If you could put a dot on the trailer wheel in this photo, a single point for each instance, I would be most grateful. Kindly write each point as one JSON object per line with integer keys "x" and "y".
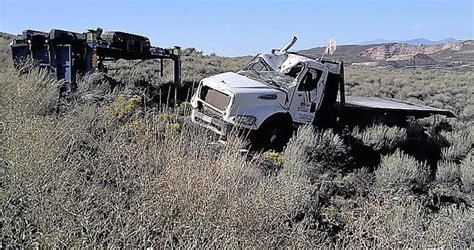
{"x": 274, "y": 134}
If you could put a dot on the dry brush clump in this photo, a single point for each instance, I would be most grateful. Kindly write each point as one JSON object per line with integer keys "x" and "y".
{"x": 448, "y": 172}
{"x": 460, "y": 144}
{"x": 383, "y": 220}
{"x": 387, "y": 208}
{"x": 467, "y": 172}
{"x": 381, "y": 137}
{"x": 399, "y": 171}
{"x": 316, "y": 152}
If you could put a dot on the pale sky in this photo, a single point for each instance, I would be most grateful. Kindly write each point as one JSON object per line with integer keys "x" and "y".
{"x": 231, "y": 27}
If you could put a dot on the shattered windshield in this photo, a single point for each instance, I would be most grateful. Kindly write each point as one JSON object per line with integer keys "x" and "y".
{"x": 259, "y": 70}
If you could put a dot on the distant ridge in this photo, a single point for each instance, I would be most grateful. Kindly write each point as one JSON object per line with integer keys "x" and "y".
{"x": 458, "y": 52}
{"x": 6, "y": 35}
{"x": 416, "y": 41}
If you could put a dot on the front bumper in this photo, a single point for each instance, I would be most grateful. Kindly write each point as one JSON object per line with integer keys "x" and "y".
{"x": 217, "y": 125}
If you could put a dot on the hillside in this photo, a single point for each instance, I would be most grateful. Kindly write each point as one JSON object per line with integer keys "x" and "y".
{"x": 443, "y": 53}
{"x": 415, "y": 41}
{"x": 5, "y": 40}
{"x": 6, "y": 36}
{"x": 400, "y": 51}
{"x": 348, "y": 53}
{"x": 464, "y": 52}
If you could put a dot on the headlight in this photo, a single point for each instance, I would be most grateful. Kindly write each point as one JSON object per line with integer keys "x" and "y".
{"x": 245, "y": 120}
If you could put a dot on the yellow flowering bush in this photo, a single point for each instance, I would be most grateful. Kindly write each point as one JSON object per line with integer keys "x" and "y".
{"x": 173, "y": 127}
{"x": 184, "y": 109}
{"x": 275, "y": 157}
{"x": 123, "y": 106}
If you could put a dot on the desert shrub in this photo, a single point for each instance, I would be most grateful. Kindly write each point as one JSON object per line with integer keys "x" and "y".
{"x": 82, "y": 179}
{"x": 400, "y": 222}
{"x": 134, "y": 72}
{"x": 111, "y": 192}
{"x": 95, "y": 87}
{"x": 123, "y": 107}
{"x": 460, "y": 144}
{"x": 385, "y": 224}
{"x": 381, "y": 137}
{"x": 451, "y": 228}
{"x": 274, "y": 157}
{"x": 173, "y": 127}
{"x": 38, "y": 92}
{"x": 167, "y": 117}
{"x": 468, "y": 112}
{"x": 314, "y": 152}
{"x": 400, "y": 171}
{"x": 448, "y": 172}
{"x": 467, "y": 173}
{"x": 184, "y": 109}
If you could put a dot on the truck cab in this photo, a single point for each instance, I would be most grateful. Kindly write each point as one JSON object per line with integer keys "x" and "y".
{"x": 266, "y": 97}
{"x": 277, "y": 91}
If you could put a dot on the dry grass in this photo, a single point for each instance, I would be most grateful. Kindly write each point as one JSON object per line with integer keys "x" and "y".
{"x": 116, "y": 173}
{"x": 85, "y": 179}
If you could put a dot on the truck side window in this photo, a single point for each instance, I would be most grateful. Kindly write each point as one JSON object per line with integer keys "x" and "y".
{"x": 310, "y": 80}
{"x": 295, "y": 71}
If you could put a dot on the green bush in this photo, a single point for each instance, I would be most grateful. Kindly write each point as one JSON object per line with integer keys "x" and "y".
{"x": 400, "y": 222}
{"x": 467, "y": 173}
{"x": 460, "y": 145}
{"x": 399, "y": 171}
{"x": 123, "y": 107}
{"x": 381, "y": 137}
{"x": 315, "y": 152}
{"x": 448, "y": 172}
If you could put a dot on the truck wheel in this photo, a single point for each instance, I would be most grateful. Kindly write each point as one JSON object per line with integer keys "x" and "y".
{"x": 274, "y": 135}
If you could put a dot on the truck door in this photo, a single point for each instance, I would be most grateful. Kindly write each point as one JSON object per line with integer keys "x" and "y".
{"x": 308, "y": 95}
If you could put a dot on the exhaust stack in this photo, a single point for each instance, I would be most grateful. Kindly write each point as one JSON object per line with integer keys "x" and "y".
{"x": 289, "y": 45}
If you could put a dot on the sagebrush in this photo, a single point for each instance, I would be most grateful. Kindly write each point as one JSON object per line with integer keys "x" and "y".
{"x": 78, "y": 172}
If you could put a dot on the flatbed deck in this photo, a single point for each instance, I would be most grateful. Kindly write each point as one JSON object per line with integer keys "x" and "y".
{"x": 381, "y": 104}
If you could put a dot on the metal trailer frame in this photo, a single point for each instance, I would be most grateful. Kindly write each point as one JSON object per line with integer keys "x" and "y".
{"x": 69, "y": 53}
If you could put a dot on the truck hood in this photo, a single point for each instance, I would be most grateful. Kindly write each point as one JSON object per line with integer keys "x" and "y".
{"x": 234, "y": 81}
{"x": 246, "y": 93}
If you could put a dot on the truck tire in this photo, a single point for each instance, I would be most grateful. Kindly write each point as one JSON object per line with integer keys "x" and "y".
{"x": 274, "y": 134}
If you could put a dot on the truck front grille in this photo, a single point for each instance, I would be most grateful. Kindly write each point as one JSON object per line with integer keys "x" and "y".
{"x": 211, "y": 112}
{"x": 215, "y": 98}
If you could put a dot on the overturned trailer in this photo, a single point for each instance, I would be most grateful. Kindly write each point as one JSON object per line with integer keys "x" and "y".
{"x": 276, "y": 92}
{"x": 69, "y": 54}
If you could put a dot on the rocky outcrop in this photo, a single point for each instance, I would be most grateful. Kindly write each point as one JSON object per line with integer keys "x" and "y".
{"x": 414, "y": 61}
{"x": 403, "y": 51}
